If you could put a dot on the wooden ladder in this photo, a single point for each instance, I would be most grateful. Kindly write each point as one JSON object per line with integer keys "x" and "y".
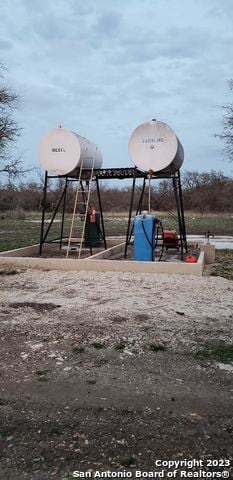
{"x": 77, "y": 203}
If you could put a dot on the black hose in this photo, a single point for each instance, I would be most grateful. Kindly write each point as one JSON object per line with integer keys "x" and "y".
{"x": 150, "y": 243}
{"x": 161, "y": 253}
{"x": 157, "y": 236}
{"x": 153, "y": 247}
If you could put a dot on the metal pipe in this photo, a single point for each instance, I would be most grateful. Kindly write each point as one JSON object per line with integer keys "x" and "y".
{"x": 139, "y": 207}
{"x": 150, "y": 172}
{"x": 130, "y": 214}
{"x": 139, "y": 210}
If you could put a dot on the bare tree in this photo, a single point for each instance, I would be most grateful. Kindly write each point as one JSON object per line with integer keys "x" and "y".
{"x": 9, "y": 130}
{"x": 227, "y": 135}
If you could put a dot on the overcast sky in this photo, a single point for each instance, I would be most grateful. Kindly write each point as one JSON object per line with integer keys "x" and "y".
{"x": 102, "y": 67}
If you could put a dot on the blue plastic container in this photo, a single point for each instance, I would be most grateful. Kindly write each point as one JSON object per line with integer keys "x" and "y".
{"x": 144, "y": 238}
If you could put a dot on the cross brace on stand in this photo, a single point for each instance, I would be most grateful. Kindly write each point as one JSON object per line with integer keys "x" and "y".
{"x": 61, "y": 204}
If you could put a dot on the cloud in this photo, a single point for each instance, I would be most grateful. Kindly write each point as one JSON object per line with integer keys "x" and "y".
{"x": 104, "y": 67}
{"x": 5, "y": 44}
{"x": 108, "y": 23}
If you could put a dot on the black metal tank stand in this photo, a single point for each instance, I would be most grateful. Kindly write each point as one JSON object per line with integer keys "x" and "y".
{"x": 180, "y": 213}
{"x": 44, "y": 234}
{"x": 179, "y": 206}
{"x": 117, "y": 173}
{"x": 62, "y": 201}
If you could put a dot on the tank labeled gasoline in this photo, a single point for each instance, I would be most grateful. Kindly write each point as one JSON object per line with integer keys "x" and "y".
{"x": 154, "y": 146}
{"x": 63, "y": 152}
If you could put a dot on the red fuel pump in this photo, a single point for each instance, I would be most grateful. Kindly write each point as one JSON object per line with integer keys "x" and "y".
{"x": 170, "y": 239}
{"x": 92, "y": 215}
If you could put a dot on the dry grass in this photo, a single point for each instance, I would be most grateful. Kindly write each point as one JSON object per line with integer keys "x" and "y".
{"x": 223, "y": 266}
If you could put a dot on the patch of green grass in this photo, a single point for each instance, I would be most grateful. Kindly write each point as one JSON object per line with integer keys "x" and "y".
{"x": 98, "y": 344}
{"x": 7, "y": 431}
{"x": 91, "y": 381}
{"x": 38, "y": 307}
{"x": 156, "y": 347}
{"x": 9, "y": 272}
{"x": 120, "y": 346}
{"x": 128, "y": 461}
{"x": 42, "y": 375}
{"x": 78, "y": 349}
{"x": 23, "y": 231}
{"x": 55, "y": 431}
{"x": 218, "y": 352}
{"x": 43, "y": 379}
{"x": 196, "y": 223}
{"x": 41, "y": 372}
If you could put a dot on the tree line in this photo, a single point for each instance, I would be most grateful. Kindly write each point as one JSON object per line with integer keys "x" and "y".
{"x": 202, "y": 192}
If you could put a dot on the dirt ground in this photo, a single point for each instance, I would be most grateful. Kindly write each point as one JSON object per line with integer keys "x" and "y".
{"x": 113, "y": 371}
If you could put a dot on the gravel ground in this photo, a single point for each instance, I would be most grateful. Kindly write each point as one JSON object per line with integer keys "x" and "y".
{"x": 103, "y": 371}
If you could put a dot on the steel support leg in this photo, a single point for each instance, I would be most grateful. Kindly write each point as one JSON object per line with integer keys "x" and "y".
{"x": 63, "y": 211}
{"x": 101, "y": 212}
{"x": 182, "y": 211}
{"x": 179, "y": 215}
{"x": 43, "y": 213}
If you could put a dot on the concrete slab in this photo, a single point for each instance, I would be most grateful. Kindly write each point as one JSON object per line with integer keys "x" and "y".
{"x": 220, "y": 241}
{"x": 104, "y": 266}
{"x": 209, "y": 251}
{"x": 21, "y": 252}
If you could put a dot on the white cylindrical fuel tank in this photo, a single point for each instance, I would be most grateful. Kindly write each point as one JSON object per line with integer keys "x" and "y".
{"x": 154, "y": 146}
{"x": 62, "y": 152}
